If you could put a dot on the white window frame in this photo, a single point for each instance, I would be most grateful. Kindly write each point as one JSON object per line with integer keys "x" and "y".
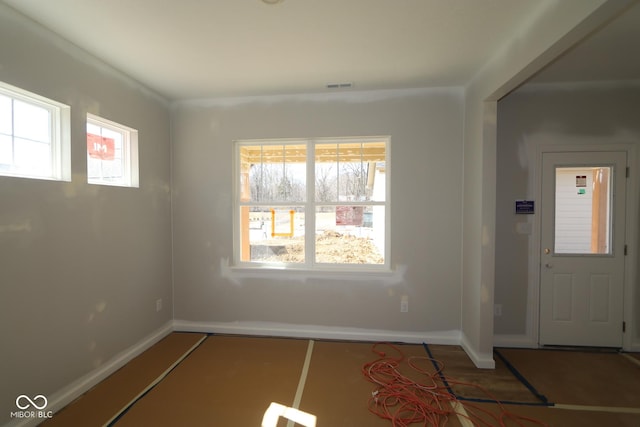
{"x": 130, "y": 165}
{"x": 59, "y": 134}
{"x": 310, "y": 207}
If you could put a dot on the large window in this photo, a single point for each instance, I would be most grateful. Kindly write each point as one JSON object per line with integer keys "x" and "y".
{"x": 312, "y": 203}
{"x": 34, "y": 135}
{"x": 112, "y": 153}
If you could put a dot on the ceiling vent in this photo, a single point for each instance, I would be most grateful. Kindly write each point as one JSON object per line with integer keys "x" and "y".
{"x": 339, "y": 85}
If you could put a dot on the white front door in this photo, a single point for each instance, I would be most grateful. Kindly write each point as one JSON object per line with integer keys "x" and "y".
{"x": 583, "y": 248}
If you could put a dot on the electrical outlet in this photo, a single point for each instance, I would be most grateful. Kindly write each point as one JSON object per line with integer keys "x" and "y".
{"x": 497, "y": 310}
{"x": 159, "y": 304}
{"x": 404, "y": 304}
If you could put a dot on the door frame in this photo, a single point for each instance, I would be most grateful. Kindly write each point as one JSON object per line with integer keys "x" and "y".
{"x": 535, "y": 153}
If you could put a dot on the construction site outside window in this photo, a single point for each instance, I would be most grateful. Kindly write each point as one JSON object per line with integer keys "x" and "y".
{"x": 312, "y": 203}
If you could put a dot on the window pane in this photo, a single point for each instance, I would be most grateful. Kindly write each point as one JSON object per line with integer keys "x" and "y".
{"x": 112, "y": 170}
{"x": 272, "y": 234}
{"x": 33, "y": 158}
{"x": 34, "y": 135}
{"x": 31, "y": 122}
{"x": 583, "y": 210}
{"x": 6, "y": 152}
{"x": 6, "y": 115}
{"x": 352, "y": 171}
{"x": 108, "y": 153}
{"x": 94, "y": 129}
{"x": 94, "y": 170}
{"x": 350, "y": 234}
{"x": 273, "y": 173}
{"x": 326, "y": 173}
{"x": 105, "y": 156}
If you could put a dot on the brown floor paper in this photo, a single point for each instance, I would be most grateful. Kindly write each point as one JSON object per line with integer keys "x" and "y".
{"x": 337, "y": 392}
{"x": 580, "y": 378}
{"x": 231, "y": 380}
{"x": 556, "y": 417}
{"x": 497, "y": 384}
{"x": 103, "y": 401}
{"x": 227, "y": 381}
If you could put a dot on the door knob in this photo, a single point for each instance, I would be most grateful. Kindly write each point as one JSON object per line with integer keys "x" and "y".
{"x": 547, "y": 251}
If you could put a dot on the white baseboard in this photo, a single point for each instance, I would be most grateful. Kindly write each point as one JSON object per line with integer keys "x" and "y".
{"x": 481, "y": 360}
{"x": 514, "y": 341}
{"x": 525, "y": 341}
{"x": 69, "y": 393}
{"x": 318, "y": 332}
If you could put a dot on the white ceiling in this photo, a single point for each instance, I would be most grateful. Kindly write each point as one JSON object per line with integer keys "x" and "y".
{"x": 201, "y": 49}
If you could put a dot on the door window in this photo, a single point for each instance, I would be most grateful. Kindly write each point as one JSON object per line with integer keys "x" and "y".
{"x": 583, "y": 210}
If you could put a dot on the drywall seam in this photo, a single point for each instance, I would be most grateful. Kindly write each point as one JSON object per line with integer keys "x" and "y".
{"x": 352, "y": 97}
{"x": 238, "y": 275}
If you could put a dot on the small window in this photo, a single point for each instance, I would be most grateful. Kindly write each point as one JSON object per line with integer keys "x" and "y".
{"x": 112, "y": 153}
{"x": 34, "y": 136}
{"x": 312, "y": 204}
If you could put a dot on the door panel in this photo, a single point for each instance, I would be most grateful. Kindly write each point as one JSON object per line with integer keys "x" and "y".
{"x": 582, "y": 238}
{"x": 599, "y": 297}
{"x": 562, "y": 297}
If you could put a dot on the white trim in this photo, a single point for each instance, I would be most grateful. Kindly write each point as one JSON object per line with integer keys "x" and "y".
{"x": 72, "y": 391}
{"x": 481, "y": 360}
{"x": 373, "y": 275}
{"x": 318, "y": 332}
{"x": 631, "y": 308}
{"x": 514, "y": 341}
{"x": 536, "y": 151}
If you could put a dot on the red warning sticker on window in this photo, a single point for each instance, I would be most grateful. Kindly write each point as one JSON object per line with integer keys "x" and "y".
{"x": 100, "y": 147}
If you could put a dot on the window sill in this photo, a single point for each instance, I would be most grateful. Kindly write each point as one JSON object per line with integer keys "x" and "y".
{"x": 382, "y": 274}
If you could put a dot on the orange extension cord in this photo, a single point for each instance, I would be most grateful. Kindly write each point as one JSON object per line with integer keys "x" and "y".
{"x": 429, "y": 402}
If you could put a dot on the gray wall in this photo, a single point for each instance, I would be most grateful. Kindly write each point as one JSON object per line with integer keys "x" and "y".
{"x": 426, "y": 191}
{"x": 81, "y": 266}
{"x": 603, "y": 113}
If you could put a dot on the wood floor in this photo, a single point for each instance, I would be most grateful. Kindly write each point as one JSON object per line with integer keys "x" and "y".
{"x": 191, "y": 379}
